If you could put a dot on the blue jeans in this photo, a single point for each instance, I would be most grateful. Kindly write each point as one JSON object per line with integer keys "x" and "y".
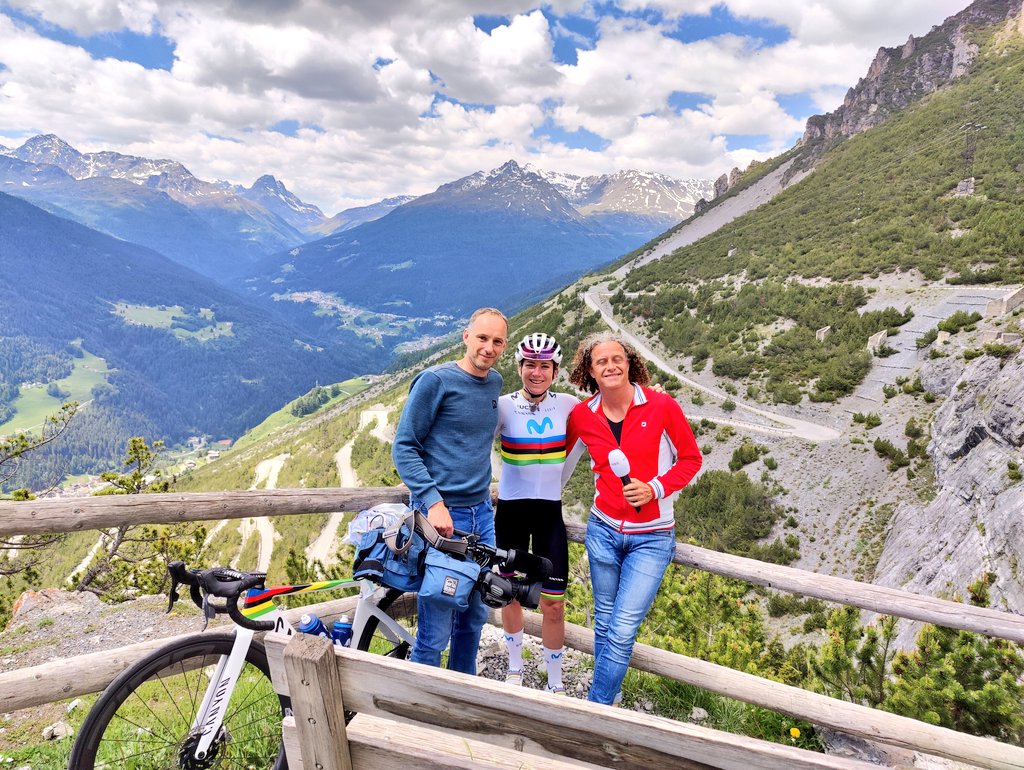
{"x": 625, "y": 572}
{"x": 437, "y": 626}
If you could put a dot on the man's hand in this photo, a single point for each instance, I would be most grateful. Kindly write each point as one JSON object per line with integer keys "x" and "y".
{"x": 638, "y": 493}
{"x": 440, "y": 519}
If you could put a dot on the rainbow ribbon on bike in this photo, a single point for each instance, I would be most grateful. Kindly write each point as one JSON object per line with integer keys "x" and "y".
{"x": 258, "y": 601}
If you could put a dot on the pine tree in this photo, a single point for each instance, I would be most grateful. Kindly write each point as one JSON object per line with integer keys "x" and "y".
{"x": 135, "y": 558}
{"x": 962, "y": 680}
{"x": 853, "y": 662}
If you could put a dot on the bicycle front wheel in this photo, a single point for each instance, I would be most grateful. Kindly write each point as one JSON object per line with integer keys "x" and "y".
{"x": 144, "y": 718}
{"x": 387, "y": 637}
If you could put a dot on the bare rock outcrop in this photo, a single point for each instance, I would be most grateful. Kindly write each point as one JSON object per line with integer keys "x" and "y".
{"x": 975, "y": 523}
{"x": 904, "y": 74}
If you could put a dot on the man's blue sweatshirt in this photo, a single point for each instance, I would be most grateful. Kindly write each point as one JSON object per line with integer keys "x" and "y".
{"x": 442, "y": 448}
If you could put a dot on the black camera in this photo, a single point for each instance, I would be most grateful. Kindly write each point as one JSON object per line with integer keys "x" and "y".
{"x": 498, "y": 591}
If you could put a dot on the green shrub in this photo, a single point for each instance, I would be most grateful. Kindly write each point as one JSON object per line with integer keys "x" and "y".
{"x": 913, "y": 387}
{"x": 959, "y": 320}
{"x": 999, "y": 350}
{"x": 746, "y": 453}
{"x": 927, "y": 338}
{"x": 726, "y": 511}
{"x": 869, "y": 420}
{"x": 790, "y": 604}
{"x": 896, "y": 456}
{"x": 785, "y": 393}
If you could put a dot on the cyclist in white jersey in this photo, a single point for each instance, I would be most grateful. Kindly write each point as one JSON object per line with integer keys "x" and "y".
{"x": 531, "y": 423}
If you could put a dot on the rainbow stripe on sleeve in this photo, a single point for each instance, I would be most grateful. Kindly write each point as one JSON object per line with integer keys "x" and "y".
{"x": 533, "y": 451}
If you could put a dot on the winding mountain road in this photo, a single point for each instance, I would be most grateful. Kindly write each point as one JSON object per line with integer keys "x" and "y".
{"x": 266, "y": 471}
{"x": 930, "y": 304}
{"x": 713, "y": 219}
{"x": 325, "y": 547}
{"x": 595, "y": 299}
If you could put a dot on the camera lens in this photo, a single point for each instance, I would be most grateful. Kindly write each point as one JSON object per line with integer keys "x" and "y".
{"x": 527, "y": 594}
{"x": 495, "y": 590}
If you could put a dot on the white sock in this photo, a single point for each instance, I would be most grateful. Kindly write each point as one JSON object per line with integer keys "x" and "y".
{"x": 553, "y": 663}
{"x": 514, "y": 642}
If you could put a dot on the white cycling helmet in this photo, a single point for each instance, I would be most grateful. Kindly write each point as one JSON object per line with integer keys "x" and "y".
{"x": 538, "y": 347}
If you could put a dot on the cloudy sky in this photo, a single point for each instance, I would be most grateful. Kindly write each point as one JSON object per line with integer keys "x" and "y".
{"x": 350, "y": 101}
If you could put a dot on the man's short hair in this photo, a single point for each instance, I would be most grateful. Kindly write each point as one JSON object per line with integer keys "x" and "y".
{"x": 487, "y": 311}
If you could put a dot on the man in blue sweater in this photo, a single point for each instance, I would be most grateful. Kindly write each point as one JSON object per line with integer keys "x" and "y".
{"x": 442, "y": 452}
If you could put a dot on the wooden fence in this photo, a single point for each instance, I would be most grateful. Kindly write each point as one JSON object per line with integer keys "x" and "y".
{"x": 412, "y": 716}
{"x": 77, "y": 514}
{"x": 90, "y": 673}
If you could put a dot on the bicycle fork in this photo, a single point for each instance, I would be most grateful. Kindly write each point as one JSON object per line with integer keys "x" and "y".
{"x": 210, "y": 717}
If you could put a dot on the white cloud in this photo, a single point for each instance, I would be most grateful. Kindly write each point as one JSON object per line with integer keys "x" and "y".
{"x": 512, "y": 64}
{"x": 90, "y": 17}
{"x": 824, "y": 21}
{"x": 362, "y": 80}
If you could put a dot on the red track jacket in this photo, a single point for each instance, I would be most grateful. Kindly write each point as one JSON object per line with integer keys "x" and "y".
{"x": 657, "y": 440}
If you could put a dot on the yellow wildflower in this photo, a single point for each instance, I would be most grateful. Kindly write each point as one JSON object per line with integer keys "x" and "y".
{"x": 794, "y": 732}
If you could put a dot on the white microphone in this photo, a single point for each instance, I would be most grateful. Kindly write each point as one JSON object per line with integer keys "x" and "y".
{"x": 619, "y": 464}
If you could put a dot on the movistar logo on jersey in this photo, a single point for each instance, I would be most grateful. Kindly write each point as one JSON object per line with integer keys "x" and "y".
{"x": 532, "y": 426}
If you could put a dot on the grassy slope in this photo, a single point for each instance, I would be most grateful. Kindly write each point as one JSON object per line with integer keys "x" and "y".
{"x": 283, "y": 417}
{"x": 34, "y": 404}
{"x": 882, "y": 201}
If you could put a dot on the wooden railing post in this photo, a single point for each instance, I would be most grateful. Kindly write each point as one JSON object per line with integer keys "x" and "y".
{"x": 315, "y": 689}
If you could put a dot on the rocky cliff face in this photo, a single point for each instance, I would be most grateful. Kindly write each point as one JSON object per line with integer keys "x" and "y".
{"x": 976, "y": 521}
{"x": 902, "y": 75}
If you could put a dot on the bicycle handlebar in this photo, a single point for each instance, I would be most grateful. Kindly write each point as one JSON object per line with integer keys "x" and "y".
{"x": 222, "y": 582}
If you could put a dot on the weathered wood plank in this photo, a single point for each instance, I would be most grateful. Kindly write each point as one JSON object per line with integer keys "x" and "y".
{"x": 846, "y": 717}
{"x": 317, "y": 702}
{"x": 72, "y": 677}
{"x": 85, "y": 674}
{"x": 496, "y": 712}
{"x": 384, "y": 744}
{"x": 78, "y": 514}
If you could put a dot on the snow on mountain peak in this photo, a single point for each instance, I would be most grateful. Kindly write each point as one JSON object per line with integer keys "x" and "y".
{"x": 631, "y": 191}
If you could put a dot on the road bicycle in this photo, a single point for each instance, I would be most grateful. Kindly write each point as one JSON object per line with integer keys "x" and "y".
{"x": 206, "y": 701}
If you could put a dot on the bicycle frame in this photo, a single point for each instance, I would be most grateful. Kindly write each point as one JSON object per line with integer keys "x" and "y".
{"x": 259, "y": 604}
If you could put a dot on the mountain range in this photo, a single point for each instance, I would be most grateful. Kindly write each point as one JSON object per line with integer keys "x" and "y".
{"x": 119, "y": 238}
{"x": 179, "y": 353}
{"x": 504, "y": 237}
{"x": 221, "y": 229}
{"x": 74, "y": 291}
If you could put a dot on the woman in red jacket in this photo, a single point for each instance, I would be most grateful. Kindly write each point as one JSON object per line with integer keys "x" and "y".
{"x": 631, "y": 530}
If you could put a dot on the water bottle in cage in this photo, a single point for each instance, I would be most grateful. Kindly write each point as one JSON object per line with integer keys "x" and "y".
{"x": 311, "y": 624}
{"x": 341, "y": 633}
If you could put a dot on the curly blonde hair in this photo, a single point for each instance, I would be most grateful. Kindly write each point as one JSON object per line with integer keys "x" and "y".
{"x": 581, "y": 362}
